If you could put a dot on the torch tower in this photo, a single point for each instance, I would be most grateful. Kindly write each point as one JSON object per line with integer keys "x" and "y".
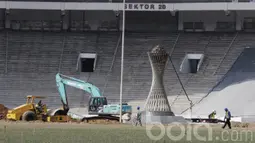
{"x": 157, "y": 108}
{"x": 157, "y": 103}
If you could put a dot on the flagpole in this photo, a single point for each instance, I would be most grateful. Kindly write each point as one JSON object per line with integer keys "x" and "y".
{"x": 122, "y": 58}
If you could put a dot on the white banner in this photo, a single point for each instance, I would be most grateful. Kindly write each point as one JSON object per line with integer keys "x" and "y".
{"x": 129, "y": 6}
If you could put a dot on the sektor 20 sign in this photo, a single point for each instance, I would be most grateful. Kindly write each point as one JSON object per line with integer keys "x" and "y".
{"x": 143, "y": 6}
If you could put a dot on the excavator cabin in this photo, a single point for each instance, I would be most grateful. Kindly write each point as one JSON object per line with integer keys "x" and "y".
{"x": 96, "y": 103}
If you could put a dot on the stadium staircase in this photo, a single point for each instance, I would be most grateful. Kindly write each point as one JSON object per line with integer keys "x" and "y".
{"x": 35, "y": 57}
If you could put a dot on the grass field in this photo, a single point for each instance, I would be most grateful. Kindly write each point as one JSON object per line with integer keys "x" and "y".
{"x": 87, "y": 133}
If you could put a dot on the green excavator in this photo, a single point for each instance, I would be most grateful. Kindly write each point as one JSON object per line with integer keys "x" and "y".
{"x": 98, "y": 108}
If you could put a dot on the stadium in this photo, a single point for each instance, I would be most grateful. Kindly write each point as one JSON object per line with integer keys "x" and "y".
{"x": 210, "y": 43}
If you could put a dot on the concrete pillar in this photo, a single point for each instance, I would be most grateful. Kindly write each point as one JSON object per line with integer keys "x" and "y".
{"x": 7, "y": 19}
{"x": 239, "y": 21}
{"x": 64, "y": 19}
{"x": 180, "y": 21}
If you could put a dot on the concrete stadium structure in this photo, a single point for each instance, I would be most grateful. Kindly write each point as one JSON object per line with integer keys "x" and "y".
{"x": 36, "y": 44}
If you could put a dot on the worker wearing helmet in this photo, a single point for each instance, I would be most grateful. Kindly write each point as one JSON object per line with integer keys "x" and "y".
{"x": 138, "y": 117}
{"x": 212, "y": 115}
{"x": 227, "y": 118}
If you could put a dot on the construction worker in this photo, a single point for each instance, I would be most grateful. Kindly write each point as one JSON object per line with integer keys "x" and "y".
{"x": 212, "y": 115}
{"x": 138, "y": 117}
{"x": 39, "y": 106}
{"x": 227, "y": 118}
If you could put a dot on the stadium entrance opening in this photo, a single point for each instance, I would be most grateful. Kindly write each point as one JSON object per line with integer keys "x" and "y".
{"x": 87, "y": 64}
{"x": 193, "y": 65}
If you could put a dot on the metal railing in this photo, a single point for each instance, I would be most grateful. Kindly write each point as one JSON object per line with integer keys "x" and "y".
{"x": 225, "y": 54}
{"x": 112, "y": 63}
{"x": 6, "y": 51}
{"x": 62, "y": 51}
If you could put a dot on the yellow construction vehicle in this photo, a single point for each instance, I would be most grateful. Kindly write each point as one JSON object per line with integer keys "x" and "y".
{"x": 29, "y": 111}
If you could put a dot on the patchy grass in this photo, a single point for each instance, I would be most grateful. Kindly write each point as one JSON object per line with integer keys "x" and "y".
{"x": 86, "y": 133}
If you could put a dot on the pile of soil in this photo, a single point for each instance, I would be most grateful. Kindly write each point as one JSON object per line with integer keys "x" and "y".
{"x": 3, "y": 111}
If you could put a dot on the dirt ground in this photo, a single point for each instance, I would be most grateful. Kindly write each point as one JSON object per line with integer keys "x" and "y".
{"x": 20, "y": 124}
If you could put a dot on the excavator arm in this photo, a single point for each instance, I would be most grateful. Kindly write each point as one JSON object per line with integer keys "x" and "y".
{"x": 62, "y": 80}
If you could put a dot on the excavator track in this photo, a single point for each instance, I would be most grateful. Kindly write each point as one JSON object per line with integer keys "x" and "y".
{"x": 101, "y": 120}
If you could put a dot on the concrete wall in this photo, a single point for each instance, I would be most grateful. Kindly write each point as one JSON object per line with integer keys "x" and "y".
{"x": 151, "y": 21}
{"x": 2, "y": 12}
{"x": 135, "y": 21}
{"x": 241, "y": 16}
{"x": 34, "y": 15}
{"x": 211, "y": 17}
{"x": 93, "y": 18}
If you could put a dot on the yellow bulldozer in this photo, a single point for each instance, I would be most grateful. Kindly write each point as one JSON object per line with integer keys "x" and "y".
{"x": 31, "y": 112}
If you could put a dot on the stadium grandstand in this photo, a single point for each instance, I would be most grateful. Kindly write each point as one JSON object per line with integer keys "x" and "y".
{"x": 210, "y": 43}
